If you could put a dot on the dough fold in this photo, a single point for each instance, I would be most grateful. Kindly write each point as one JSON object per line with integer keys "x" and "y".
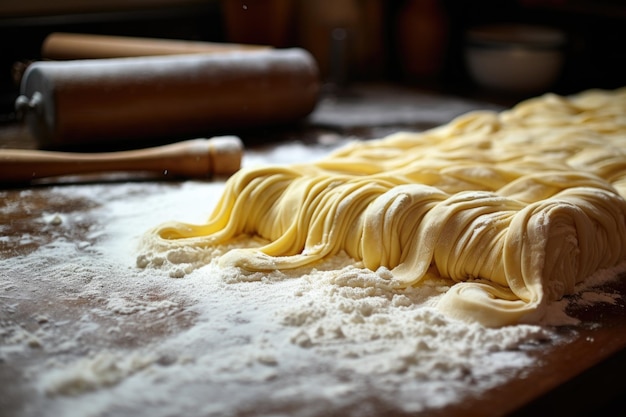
{"x": 514, "y": 208}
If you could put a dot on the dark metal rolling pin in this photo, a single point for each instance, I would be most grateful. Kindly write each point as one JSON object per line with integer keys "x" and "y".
{"x": 124, "y": 99}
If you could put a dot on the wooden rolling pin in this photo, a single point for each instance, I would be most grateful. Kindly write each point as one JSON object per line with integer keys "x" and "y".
{"x": 123, "y": 99}
{"x": 196, "y": 158}
{"x": 61, "y": 46}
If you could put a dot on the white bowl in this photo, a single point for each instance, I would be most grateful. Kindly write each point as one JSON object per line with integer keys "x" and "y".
{"x": 514, "y": 58}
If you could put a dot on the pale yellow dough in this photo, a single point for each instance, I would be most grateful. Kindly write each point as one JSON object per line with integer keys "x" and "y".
{"x": 516, "y": 207}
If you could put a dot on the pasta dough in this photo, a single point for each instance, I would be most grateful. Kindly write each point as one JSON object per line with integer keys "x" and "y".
{"x": 515, "y": 207}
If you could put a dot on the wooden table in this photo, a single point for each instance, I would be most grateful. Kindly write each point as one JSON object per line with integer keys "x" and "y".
{"x": 581, "y": 377}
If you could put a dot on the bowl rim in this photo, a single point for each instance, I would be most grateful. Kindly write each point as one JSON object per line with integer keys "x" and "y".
{"x": 506, "y": 35}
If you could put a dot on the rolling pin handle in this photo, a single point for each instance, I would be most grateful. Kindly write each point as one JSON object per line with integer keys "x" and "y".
{"x": 194, "y": 158}
{"x": 23, "y": 104}
{"x": 225, "y": 154}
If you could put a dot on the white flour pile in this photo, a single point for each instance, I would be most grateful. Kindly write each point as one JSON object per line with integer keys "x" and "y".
{"x": 311, "y": 342}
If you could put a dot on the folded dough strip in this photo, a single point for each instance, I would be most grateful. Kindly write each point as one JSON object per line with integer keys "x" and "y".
{"x": 543, "y": 185}
{"x": 230, "y": 217}
{"x": 391, "y": 222}
{"x": 550, "y": 247}
{"x": 328, "y": 223}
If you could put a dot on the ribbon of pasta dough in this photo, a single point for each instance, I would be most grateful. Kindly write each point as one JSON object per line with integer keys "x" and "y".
{"x": 515, "y": 208}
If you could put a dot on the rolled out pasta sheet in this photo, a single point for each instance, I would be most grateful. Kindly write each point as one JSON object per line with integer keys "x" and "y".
{"x": 515, "y": 208}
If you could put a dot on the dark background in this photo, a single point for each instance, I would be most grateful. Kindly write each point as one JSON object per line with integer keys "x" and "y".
{"x": 594, "y": 50}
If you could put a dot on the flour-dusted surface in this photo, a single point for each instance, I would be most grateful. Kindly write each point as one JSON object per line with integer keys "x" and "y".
{"x": 84, "y": 332}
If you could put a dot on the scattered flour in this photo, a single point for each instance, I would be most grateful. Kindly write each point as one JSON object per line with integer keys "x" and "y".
{"x": 94, "y": 335}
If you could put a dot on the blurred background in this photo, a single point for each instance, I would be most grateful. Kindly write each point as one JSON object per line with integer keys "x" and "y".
{"x": 503, "y": 49}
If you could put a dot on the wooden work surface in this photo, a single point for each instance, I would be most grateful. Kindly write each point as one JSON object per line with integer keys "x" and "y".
{"x": 578, "y": 375}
